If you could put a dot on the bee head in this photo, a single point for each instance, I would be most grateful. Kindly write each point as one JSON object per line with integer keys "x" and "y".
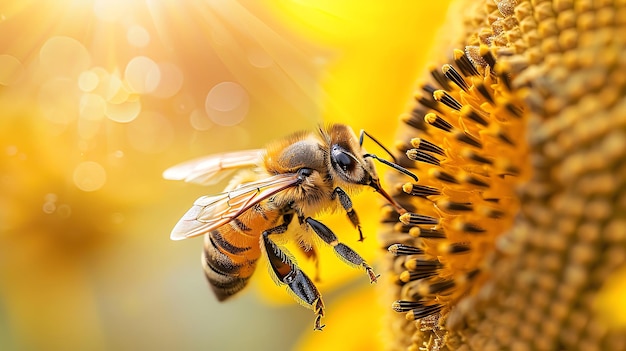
{"x": 351, "y": 168}
{"x": 350, "y": 163}
{"x": 345, "y": 156}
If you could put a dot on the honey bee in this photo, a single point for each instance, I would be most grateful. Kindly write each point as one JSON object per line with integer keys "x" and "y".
{"x": 299, "y": 177}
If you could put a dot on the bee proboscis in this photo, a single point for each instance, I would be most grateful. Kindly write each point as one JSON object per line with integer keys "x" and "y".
{"x": 299, "y": 176}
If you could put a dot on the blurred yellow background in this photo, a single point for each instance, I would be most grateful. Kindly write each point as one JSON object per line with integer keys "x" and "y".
{"x": 98, "y": 97}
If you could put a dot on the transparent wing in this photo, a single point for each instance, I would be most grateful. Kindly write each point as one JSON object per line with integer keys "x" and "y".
{"x": 211, "y": 212}
{"x": 211, "y": 169}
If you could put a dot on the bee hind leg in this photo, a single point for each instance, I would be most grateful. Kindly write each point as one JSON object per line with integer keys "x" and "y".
{"x": 344, "y": 251}
{"x": 287, "y": 272}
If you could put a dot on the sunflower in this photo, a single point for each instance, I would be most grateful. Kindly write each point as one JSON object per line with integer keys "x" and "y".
{"x": 515, "y": 233}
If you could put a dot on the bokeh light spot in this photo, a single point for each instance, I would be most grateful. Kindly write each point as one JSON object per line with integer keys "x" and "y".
{"x": 226, "y": 96}
{"x": 116, "y": 91}
{"x": 64, "y": 56}
{"x": 199, "y": 120}
{"x": 88, "y": 81}
{"x": 11, "y": 150}
{"x": 11, "y": 70}
{"x": 64, "y": 211}
{"x": 171, "y": 80}
{"x": 89, "y": 176}
{"x": 227, "y": 104}
{"x": 138, "y": 36}
{"x": 124, "y": 112}
{"x": 49, "y": 207}
{"x": 142, "y": 74}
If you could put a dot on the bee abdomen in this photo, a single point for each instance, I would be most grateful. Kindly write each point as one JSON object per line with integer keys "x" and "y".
{"x": 222, "y": 272}
{"x": 218, "y": 241}
{"x": 217, "y": 261}
{"x": 239, "y": 226}
{"x": 224, "y": 286}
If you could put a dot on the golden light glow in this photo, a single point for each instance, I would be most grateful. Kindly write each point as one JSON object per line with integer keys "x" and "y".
{"x": 98, "y": 97}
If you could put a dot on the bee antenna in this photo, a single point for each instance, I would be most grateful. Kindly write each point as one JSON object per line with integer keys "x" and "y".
{"x": 393, "y": 165}
{"x": 362, "y": 136}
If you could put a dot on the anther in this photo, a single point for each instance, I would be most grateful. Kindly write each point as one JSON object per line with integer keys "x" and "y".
{"x": 482, "y": 89}
{"x": 414, "y": 120}
{"x": 425, "y": 145}
{"x": 420, "y": 190}
{"x": 466, "y": 227}
{"x": 416, "y": 264}
{"x": 429, "y": 89}
{"x": 427, "y": 102}
{"x": 502, "y": 71}
{"x": 505, "y": 167}
{"x": 490, "y": 212}
{"x": 418, "y": 232}
{"x": 447, "y": 99}
{"x": 428, "y": 288}
{"x": 440, "y": 78}
{"x": 514, "y": 109}
{"x": 464, "y": 64}
{"x": 404, "y": 306}
{"x": 454, "y": 76}
{"x": 401, "y": 227}
{"x": 437, "y": 122}
{"x": 408, "y": 276}
{"x": 470, "y": 179}
{"x": 418, "y": 219}
{"x": 443, "y": 176}
{"x": 502, "y": 135}
{"x": 473, "y": 54}
{"x": 422, "y": 312}
{"x": 454, "y": 206}
{"x": 468, "y": 139}
{"x": 401, "y": 249}
{"x": 468, "y": 112}
{"x": 454, "y": 248}
{"x": 420, "y": 156}
{"x": 470, "y": 154}
{"x": 486, "y": 54}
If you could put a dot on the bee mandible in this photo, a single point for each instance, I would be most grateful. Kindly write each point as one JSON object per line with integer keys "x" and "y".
{"x": 299, "y": 177}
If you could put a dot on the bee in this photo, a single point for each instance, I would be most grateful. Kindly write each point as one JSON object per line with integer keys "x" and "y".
{"x": 297, "y": 177}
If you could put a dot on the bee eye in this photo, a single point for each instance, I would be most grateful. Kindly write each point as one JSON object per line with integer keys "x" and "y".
{"x": 342, "y": 159}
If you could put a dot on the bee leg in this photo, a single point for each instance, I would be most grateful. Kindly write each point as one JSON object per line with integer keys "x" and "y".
{"x": 346, "y": 203}
{"x": 287, "y": 272}
{"x": 342, "y": 250}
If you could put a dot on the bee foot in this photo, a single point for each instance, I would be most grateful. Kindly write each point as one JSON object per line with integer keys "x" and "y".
{"x": 318, "y": 322}
{"x": 373, "y": 276}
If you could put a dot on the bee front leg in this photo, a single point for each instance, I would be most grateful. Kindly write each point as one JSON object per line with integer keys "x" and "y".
{"x": 346, "y": 203}
{"x": 342, "y": 250}
{"x": 287, "y": 272}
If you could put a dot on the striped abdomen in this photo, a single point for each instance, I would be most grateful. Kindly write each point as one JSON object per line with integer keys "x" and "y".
{"x": 231, "y": 251}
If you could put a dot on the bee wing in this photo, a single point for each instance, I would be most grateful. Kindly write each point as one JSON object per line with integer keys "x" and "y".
{"x": 211, "y": 212}
{"x": 211, "y": 169}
